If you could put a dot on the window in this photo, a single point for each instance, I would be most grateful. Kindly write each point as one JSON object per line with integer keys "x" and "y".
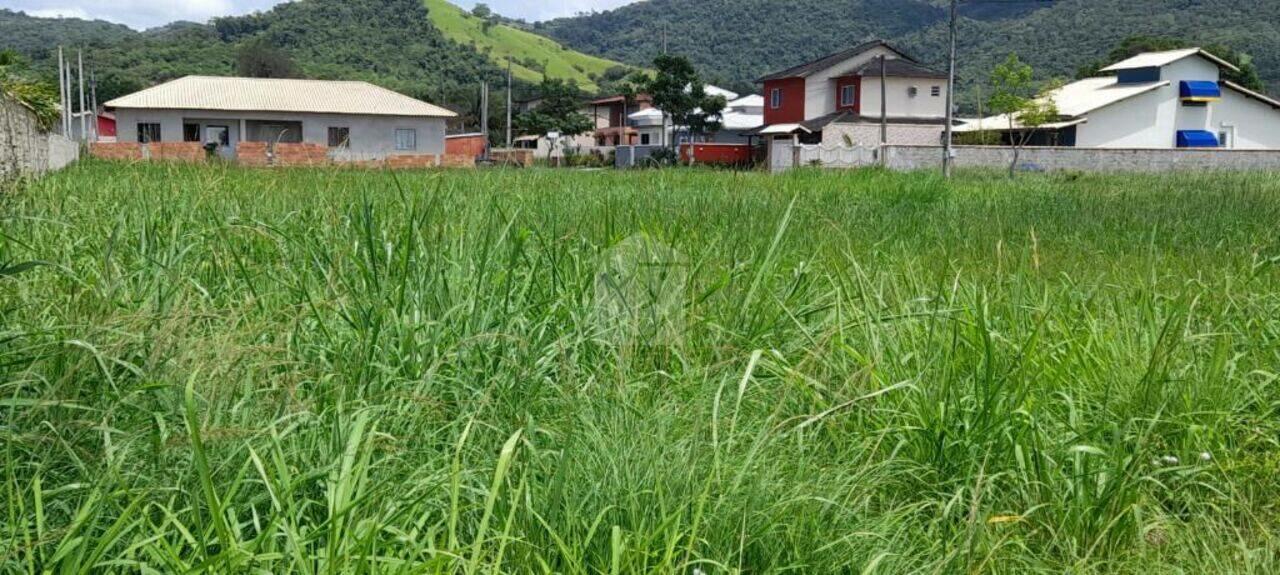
{"x": 149, "y": 132}
{"x": 191, "y": 132}
{"x": 406, "y": 139}
{"x": 913, "y": 92}
{"x": 935, "y": 91}
{"x": 775, "y": 98}
{"x": 848, "y": 95}
{"x": 339, "y": 137}
{"x": 644, "y": 139}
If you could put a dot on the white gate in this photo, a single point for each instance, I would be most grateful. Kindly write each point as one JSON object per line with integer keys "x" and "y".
{"x": 783, "y": 156}
{"x": 838, "y": 156}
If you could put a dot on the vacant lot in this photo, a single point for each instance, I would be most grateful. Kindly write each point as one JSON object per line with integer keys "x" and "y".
{"x": 222, "y": 370}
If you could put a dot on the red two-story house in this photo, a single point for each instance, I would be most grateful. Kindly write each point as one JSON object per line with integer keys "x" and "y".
{"x": 837, "y": 99}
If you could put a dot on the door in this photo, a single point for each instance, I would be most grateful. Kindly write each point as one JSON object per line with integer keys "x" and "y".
{"x": 781, "y": 155}
{"x": 221, "y": 137}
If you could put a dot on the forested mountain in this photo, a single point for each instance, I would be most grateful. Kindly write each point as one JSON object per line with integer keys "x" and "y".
{"x": 390, "y": 42}
{"x": 740, "y": 40}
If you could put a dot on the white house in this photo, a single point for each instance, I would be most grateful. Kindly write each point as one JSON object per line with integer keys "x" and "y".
{"x": 1174, "y": 99}
{"x": 742, "y": 115}
{"x": 836, "y": 99}
{"x": 357, "y": 119}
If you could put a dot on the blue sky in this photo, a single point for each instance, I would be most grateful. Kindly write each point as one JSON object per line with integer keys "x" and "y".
{"x": 148, "y": 13}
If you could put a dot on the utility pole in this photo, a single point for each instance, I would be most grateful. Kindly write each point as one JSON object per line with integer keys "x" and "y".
{"x": 84, "y": 124}
{"x": 93, "y": 103}
{"x": 484, "y": 116}
{"x": 948, "y": 152}
{"x": 884, "y": 106}
{"x": 62, "y": 93}
{"x": 509, "y": 103}
{"x": 70, "y": 106}
{"x": 664, "y": 37}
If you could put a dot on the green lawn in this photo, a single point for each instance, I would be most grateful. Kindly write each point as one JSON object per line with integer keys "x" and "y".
{"x": 501, "y": 42}
{"x": 224, "y": 370}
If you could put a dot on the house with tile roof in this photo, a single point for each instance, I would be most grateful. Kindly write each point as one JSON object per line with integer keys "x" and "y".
{"x": 357, "y": 120}
{"x": 837, "y": 99}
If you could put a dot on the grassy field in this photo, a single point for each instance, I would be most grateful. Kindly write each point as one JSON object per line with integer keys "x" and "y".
{"x": 500, "y": 42}
{"x": 223, "y": 370}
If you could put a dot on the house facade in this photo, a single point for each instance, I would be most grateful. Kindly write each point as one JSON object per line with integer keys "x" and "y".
{"x": 357, "y": 121}
{"x": 1157, "y": 100}
{"x": 612, "y": 125}
{"x": 836, "y": 100}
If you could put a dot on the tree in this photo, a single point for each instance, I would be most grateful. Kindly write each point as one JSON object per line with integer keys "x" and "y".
{"x": 482, "y": 11}
{"x": 1014, "y": 95}
{"x": 559, "y": 111}
{"x": 258, "y": 58}
{"x": 678, "y": 90}
{"x": 669, "y": 89}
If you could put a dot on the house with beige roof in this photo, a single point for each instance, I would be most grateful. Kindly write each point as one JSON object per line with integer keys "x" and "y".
{"x": 355, "y": 120}
{"x": 1157, "y": 100}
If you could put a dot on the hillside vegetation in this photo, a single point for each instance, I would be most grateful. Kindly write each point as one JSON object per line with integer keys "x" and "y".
{"x": 431, "y": 50}
{"x": 532, "y": 56}
{"x": 224, "y": 370}
{"x": 743, "y": 39}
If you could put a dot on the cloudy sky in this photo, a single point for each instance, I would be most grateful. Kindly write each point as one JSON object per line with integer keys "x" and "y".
{"x": 148, "y": 13}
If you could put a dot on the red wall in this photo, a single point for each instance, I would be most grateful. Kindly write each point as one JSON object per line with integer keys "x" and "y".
{"x": 720, "y": 154}
{"x": 856, "y": 82}
{"x": 106, "y": 127}
{"x": 792, "y": 109}
{"x": 468, "y": 145}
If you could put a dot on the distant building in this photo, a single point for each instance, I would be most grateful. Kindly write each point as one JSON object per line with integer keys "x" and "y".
{"x": 357, "y": 119}
{"x": 1174, "y": 99}
{"x": 836, "y": 100}
{"x": 610, "y": 115}
{"x": 741, "y": 116}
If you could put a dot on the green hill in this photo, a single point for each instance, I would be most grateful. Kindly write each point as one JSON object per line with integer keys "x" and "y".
{"x": 742, "y": 39}
{"x": 532, "y": 55}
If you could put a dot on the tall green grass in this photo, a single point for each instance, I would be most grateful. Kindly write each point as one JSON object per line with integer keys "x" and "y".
{"x": 209, "y": 369}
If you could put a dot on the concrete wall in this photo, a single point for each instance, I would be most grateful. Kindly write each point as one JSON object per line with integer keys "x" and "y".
{"x": 1144, "y": 121}
{"x": 1249, "y": 124}
{"x": 901, "y": 104}
{"x": 24, "y": 147}
{"x": 869, "y": 134}
{"x": 372, "y": 137}
{"x": 1086, "y": 159}
{"x": 819, "y": 89}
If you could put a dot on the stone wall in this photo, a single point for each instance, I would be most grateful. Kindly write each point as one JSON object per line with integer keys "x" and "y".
{"x": 24, "y": 147}
{"x": 1087, "y": 159}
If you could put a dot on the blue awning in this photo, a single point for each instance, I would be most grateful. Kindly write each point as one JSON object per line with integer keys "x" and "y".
{"x": 1197, "y": 139}
{"x": 1201, "y": 91}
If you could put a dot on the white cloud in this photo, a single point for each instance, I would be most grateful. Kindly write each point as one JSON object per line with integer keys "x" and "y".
{"x": 59, "y": 13}
{"x": 138, "y": 13}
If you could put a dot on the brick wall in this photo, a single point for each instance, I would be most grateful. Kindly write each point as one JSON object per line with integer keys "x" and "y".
{"x": 411, "y": 162}
{"x": 303, "y": 154}
{"x": 116, "y": 151}
{"x": 177, "y": 151}
{"x": 252, "y": 154}
{"x": 458, "y": 161}
{"x": 522, "y": 158}
{"x": 464, "y": 145}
